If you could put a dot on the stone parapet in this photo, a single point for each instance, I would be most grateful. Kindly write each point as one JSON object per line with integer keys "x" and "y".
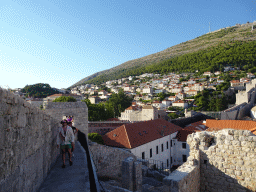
{"x": 108, "y": 160}
{"x": 27, "y": 144}
{"x": 78, "y": 110}
{"x": 218, "y": 161}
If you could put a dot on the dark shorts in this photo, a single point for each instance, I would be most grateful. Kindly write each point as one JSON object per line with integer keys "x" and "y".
{"x": 68, "y": 146}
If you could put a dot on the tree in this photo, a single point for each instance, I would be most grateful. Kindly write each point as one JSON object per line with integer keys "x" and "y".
{"x": 64, "y": 99}
{"x": 173, "y": 115}
{"x": 120, "y": 102}
{"x": 99, "y": 112}
{"x": 40, "y": 90}
{"x": 95, "y": 137}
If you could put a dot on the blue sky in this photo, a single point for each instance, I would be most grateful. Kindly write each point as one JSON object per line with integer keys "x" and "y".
{"x": 59, "y": 42}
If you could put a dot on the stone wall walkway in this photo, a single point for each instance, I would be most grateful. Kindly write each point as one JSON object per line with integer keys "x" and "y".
{"x": 72, "y": 178}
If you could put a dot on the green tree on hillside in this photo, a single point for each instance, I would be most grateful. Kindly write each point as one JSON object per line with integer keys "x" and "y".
{"x": 120, "y": 102}
{"x": 40, "y": 90}
{"x": 64, "y": 99}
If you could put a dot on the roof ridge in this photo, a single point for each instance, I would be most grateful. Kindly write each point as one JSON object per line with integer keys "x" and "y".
{"x": 127, "y": 136}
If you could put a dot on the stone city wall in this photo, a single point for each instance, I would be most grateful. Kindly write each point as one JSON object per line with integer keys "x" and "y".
{"x": 78, "y": 110}
{"x": 219, "y": 161}
{"x": 108, "y": 160}
{"x": 27, "y": 144}
{"x": 227, "y": 160}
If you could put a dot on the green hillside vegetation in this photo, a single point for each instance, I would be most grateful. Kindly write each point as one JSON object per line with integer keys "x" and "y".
{"x": 235, "y": 53}
{"x": 39, "y": 90}
{"x": 64, "y": 99}
{"x": 200, "y": 45}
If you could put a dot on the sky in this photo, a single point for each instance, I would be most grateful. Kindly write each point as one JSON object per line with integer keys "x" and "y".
{"x": 60, "y": 42}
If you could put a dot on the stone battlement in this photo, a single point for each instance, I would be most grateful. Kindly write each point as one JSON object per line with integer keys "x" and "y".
{"x": 218, "y": 161}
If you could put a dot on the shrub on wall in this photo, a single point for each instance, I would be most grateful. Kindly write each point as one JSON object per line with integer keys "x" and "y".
{"x": 95, "y": 137}
{"x": 64, "y": 99}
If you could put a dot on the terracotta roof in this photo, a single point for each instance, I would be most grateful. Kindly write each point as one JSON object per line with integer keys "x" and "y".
{"x": 148, "y": 107}
{"x": 136, "y": 134}
{"x": 180, "y": 101}
{"x": 198, "y": 126}
{"x": 234, "y": 81}
{"x": 215, "y": 125}
{"x": 183, "y": 134}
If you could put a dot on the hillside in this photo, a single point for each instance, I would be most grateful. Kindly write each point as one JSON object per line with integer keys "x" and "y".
{"x": 200, "y": 45}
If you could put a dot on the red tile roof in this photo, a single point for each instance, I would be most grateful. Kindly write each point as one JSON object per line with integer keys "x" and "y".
{"x": 136, "y": 134}
{"x": 180, "y": 101}
{"x": 183, "y": 134}
{"x": 215, "y": 125}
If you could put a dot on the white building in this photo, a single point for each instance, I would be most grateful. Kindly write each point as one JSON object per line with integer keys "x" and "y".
{"x": 149, "y": 140}
{"x": 147, "y": 89}
{"x": 147, "y": 113}
{"x": 180, "y": 148}
{"x": 180, "y": 103}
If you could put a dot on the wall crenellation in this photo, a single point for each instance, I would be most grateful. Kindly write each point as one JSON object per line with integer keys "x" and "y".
{"x": 226, "y": 162}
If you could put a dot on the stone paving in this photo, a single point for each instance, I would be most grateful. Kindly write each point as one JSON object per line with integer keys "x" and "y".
{"x": 72, "y": 178}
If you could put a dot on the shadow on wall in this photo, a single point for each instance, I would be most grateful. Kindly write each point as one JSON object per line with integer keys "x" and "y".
{"x": 92, "y": 173}
{"x": 216, "y": 178}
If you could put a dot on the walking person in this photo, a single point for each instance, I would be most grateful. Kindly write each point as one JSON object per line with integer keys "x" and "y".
{"x": 75, "y": 130}
{"x": 65, "y": 139}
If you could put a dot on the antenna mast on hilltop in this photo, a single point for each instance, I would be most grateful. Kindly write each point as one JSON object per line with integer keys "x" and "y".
{"x": 209, "y": 27}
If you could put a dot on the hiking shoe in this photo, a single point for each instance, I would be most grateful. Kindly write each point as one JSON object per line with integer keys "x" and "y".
{"x": 70, "y": 163}
{"x": 63, "y": 166}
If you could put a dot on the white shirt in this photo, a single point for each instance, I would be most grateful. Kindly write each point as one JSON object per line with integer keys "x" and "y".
{"x": 68, "y": 138}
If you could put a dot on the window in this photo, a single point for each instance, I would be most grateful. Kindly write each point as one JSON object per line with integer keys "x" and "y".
{"x": 150, "y": 153}
{"x": 171, "y": 143}
{"x": 167, "y": 162}
{"x": 156, "y": 149}
{"x": 167, "y": 145}
{"x": 143, "y": 155}
{"x": 184, "y": 157}
{"x": 162, "y": 147}
{"x": 184, "y": 145}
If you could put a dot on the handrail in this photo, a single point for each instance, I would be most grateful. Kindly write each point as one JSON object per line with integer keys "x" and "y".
{"x": 94, "y": 184}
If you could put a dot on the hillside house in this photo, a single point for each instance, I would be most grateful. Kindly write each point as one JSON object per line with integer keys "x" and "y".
{"x": 180, "y": 95}
{"x": 250, "y": 75}
{"x": 237, "y": 84}
{"x": 173, "y": 98}
{"x": 191, "y": 93}
{"x": 166, "y": 103}
{"x": 94, "y": 99}
{"x": 148, "y": 89}
{"x": 176, "y": 89}
{"x": 207, "y": 73}
{"x": 147, "y": 112}
{"x": 157, "y": 104}
{"x": 217, "y": 73}
{"x": 180, "y": 103}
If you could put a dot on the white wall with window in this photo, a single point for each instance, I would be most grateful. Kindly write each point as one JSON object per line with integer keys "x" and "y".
{"x": 159, "y": 150}
{"x": 180, "y": 152}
